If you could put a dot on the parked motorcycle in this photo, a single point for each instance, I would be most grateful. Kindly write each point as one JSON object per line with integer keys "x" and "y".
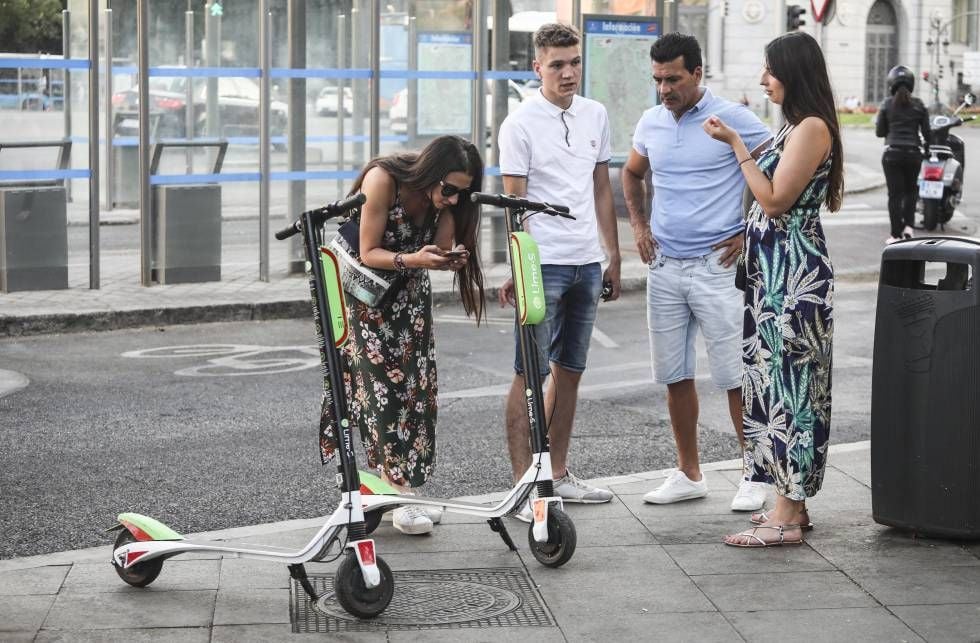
{"x": 941, "y": 175}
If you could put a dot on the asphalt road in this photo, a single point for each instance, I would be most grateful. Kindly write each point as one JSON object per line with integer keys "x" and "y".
{"x": 223, "y": 434}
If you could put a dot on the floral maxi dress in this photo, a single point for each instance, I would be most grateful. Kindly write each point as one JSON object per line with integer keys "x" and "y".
{"x": 787, "y": 338}
{"x": 390, "y": 368}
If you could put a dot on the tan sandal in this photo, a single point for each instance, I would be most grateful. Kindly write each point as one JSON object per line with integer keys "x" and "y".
{"x": 763, "y": 516}
{"x": 757, "y": 542}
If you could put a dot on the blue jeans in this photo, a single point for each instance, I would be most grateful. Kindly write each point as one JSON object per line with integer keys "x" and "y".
{"x": 571, "y": 294}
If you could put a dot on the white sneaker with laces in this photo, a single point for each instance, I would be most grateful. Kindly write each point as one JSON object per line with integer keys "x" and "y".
{"x": 411, "y": 519}
{"x": 677, "y": 487}
{"x": 751, "y": 496}
{"x": 571, "y": 489}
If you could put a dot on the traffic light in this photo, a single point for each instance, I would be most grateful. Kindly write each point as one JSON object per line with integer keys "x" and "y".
{"x": 793, "y": 17}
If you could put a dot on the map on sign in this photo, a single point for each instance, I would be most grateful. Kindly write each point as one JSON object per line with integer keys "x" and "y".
{"x": 617, "y": 71}
{"x": 444, "y": 103}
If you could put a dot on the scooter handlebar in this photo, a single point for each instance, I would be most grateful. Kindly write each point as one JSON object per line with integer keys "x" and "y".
{"x": 511, "y": 201}
{"x": 323, "y": 214}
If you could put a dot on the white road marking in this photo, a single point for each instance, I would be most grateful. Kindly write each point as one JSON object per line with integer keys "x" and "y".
{"x": 11, "y": 381}
{"x": 602, "y": 338}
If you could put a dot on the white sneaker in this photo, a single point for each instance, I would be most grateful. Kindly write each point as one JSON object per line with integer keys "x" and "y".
{"x": 751, "y": 496}
{"x": 434, "y": 513}
{"x": 571, "y": 489}
{"x": 526, "y": 514}
{"x": 908, "y": 232}
{"x": 411, "y": 519}
{"x": 677, "y": 487}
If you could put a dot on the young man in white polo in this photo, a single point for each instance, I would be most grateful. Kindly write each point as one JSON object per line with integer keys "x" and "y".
{"x": 555, "y": 148}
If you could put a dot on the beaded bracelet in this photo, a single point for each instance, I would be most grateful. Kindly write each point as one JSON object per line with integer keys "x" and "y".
{"x": 399, "y": 262}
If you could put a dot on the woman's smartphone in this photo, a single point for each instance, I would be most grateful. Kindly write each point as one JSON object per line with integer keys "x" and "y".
{"x": 453, "y": 254}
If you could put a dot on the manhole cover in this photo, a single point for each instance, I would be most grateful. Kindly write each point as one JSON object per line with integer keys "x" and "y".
{"x": 437, "y": 599}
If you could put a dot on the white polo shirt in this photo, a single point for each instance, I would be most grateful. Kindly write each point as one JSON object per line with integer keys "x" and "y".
{"x": 557, "y": 150}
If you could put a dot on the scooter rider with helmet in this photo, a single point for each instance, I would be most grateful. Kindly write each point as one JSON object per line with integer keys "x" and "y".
{"x": 902, "y": 119}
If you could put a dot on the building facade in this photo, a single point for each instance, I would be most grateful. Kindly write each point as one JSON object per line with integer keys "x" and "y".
{"x": 861, "y": 39}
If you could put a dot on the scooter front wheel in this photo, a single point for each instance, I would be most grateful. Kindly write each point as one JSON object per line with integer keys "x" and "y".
{"x": 561, "y": 540}
{"x": 140, "y": 574}
{"x": 354, "y": 596}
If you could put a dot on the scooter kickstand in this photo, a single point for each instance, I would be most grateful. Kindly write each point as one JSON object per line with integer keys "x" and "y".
{"x": 497, "y": 525}
{"x": 298, "y": 572}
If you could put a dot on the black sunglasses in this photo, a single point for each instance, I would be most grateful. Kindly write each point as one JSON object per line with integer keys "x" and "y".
{"x": 450, "y": 190}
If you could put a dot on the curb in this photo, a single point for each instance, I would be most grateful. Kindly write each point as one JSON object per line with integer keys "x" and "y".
{"x": 97, "y": 321}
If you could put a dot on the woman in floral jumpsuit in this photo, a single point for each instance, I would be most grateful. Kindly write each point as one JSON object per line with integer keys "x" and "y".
{"x": 788, "y": 328}
{"x": 418, "y": 209}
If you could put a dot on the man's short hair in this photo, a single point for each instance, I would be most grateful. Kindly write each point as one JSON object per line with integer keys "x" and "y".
{"x": 669, "y": 46}
{"x": 555, "y": 34}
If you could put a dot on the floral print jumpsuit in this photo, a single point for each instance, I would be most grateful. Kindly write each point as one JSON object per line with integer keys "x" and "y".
{"x": 787, "y": 338}
{"x": 390, "y": 368}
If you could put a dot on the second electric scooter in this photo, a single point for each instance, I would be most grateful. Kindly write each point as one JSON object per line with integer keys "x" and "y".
{"x": 551, "y": 535}
{"x": 363, "y": 583}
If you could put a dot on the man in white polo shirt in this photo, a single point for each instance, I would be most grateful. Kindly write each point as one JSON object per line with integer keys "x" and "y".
{"x": 692, "y": 249}
{"x": 555, "y": 149}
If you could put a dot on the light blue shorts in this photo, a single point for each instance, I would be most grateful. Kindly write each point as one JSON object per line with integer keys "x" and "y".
{"x": 571, "y": 294}
{"x": 682, "y": 296}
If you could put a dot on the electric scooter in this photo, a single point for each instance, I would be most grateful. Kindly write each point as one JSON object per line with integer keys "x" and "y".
{"x": 363, "y": 584}
{"x": 941, "y": 175}
{"x": 551, "y": 535}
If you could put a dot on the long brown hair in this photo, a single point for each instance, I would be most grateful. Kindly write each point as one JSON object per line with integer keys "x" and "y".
{"x": 796, "y": 60}
{"x": 422, "y": 171}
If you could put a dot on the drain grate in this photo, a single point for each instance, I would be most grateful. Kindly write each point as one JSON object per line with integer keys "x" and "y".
{"x": 436, "y": 599}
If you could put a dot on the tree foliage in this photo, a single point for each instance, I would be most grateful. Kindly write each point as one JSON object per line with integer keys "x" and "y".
{"x": 31, "y": 26}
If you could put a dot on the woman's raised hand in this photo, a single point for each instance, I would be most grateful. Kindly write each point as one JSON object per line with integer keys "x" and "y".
{"x": 716, "y": 129}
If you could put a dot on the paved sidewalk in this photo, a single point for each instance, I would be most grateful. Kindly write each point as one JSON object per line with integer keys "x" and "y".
{"x": 640, "y": 572}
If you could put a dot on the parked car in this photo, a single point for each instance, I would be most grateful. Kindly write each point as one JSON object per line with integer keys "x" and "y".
{"x": 28, "y": 100}
{"x": 327, "y": 103}
{"x": 238, "y": 108}
{"x": 29, "y": 97}
{"x": 398, "y": 113}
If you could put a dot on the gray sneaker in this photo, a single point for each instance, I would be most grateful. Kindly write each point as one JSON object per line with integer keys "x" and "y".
{"x": 571, "y": 489}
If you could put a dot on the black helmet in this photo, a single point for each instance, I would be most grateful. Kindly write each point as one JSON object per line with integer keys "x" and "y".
{"x": 898, "y": 76}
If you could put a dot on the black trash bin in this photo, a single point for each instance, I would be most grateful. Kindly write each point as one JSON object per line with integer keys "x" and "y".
{"x": 925, "y": 393}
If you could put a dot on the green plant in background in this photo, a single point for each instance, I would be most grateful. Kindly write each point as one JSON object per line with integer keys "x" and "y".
{"x": 31, "y": 26}
{"x": 856, "y": 119}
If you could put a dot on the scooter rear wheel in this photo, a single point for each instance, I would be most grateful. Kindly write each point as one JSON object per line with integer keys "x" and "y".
{"x": 561, "y": 540}
{"x": 140, "y": 574}
{"x": 930, "y": 213}
{"x": 354, "y": 596}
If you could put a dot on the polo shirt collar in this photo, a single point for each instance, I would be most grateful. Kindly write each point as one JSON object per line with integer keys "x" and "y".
{"x": 554, "y": 110}
{"x": 706, "y": 98}
{"x": 702, "y": 103}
